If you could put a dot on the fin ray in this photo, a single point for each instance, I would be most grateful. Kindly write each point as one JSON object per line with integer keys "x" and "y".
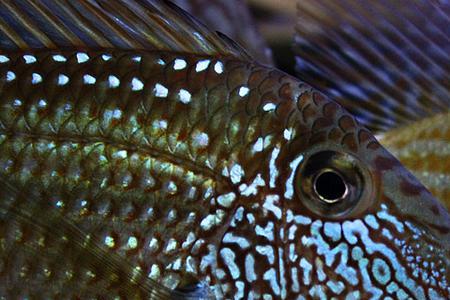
{"x": 76, "y": 245}
{"x": 424, "y": 148}
{"x": 121, "y": 24}
{"x": 375, "y": 58}
{"x": 234, "y": 19}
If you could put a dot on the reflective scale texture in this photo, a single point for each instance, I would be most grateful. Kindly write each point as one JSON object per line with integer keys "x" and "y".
{"x": 183, "y": 169}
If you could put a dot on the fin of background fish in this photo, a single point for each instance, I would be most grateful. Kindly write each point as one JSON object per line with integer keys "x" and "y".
{"x": 233, "y": 18}
{"x": 424, "y": 148}
{"x": 95, "y": 24}
{"x": 275, "y": 20}
{"x": 385, "y": 61}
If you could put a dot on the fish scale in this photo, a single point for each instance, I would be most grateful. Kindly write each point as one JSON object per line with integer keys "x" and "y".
{"x": 147, "y": 173}
{"x": 126, "y": 160}
{"x": 423, "y": 147}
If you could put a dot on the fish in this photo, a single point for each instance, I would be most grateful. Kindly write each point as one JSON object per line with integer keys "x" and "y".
{"x": 423, "y": 147}
{"x": 391, "y": 75}
{"x": 145, "y": 157}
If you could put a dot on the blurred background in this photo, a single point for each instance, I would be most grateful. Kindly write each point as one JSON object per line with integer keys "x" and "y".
{"x": 263, "y": 27}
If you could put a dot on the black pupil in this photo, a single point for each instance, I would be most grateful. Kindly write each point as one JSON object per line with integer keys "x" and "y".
{"x": 330, "y": 186}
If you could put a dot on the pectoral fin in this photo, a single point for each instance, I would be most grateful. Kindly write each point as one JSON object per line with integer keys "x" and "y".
{"x": 44, "y": 253}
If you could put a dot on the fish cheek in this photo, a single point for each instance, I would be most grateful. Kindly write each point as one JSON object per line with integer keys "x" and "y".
{"x": 247, "y": 257}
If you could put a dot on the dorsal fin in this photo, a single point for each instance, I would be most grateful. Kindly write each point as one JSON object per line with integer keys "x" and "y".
{"x": 233, "y": 18}
{"x": 121, "y": 24}
{"x": 424, "y": 148}
{"x": 385, "y": 61}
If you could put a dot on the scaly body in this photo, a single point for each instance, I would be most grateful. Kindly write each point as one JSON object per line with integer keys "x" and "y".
{"x": 185, "y": 166}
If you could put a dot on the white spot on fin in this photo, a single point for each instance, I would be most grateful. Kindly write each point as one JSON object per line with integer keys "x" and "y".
{"x": 184, "y": 96}
{"x": 160, "y": 124}
{"x": 201, "y": 139}
{"x": 3, "y": 59}
{"x": 109, "y": 241}
{"x": 236, "y": 173}
{"x": 269, "y": 107}
{"x": 202, "y": 65}
{"x": 258, "y": 146}
{"x": 36, "y": 78}
{"x": 106, "y": 57}
{"x": 29, "y": 59}
{"x": 89, "y": 79}
{"x": 243, "y": 91}
{"x": 136, "y": 84}
{"x": 42, "y": 103}
{"x": 62, "y": 79}
{"x": 113, "y": 81}
{"x": 287, "y": 134}
{"x": 10, "y": 76}
{"x": 218, "y": 67}
{"x": 227, "y": 199}
{"x": 82, "y": 57}
{"x": 160, "y": 91}
{"x": 59, "y": 58}
{"x": 179, "y": 64}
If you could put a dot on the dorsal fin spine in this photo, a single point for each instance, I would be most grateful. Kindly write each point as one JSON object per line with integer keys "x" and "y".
{"x": 375, "y": 58}
{"x": 96, "y": 24}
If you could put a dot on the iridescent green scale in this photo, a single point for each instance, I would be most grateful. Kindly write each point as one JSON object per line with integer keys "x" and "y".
{"x": 130, "y": 147}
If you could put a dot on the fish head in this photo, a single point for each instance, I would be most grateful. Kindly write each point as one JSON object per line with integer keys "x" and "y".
{"x": 337, "y": 215}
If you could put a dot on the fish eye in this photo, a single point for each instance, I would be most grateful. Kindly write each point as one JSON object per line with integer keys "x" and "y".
{"x": 329, "y": 186}
{"x": 334, "y": 184}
